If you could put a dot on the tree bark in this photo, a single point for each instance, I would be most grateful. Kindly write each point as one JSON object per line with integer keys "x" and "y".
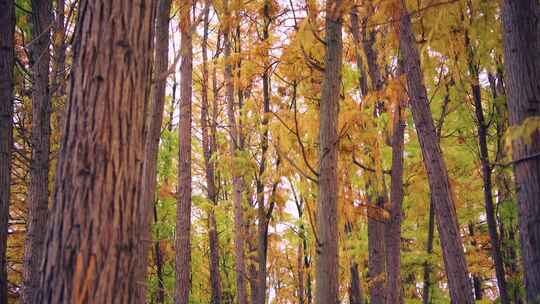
{"x": 355, "y": 292}
{"x": 183, "y": 211}
{"x": 38, "y": 189}
{"x": 209, "y": 148}
{"x": 451, "y": 242}
{"x": 327, "y": 202}
{"x": 7, "y": 61}
{"x": 97, "y": 193}
{"x": 486, "y": 177}
{"x": 521, "y": 39}
{"x": 393, "y": 239}
{"x": 151, "y": 141}
{"x": 234, "y": 147}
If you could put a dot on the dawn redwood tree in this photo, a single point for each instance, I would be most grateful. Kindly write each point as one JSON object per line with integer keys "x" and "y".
{"x": 234, "y": 147}
{"x": 209, "y": 148}
{"x": 7, "y": 61}
{"x": 327, "y": 270}
{"x": 151, "y": 145}
{"x": 92, "y": 242}
{"x": 451, "y": 242}
{"x": 521, "y": 39}
{"x": 183, "y": 210}
{"x": 38, "y": 189}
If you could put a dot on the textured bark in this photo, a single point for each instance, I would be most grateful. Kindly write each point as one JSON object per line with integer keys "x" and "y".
{"x": 151, "y": 144}
{"x": 451, "y": 242}
{"x": 38, "y": 189}
{"x": 486, "y": 178}
{"x": 100, "y": 164}
{"x": 183, "y": 211}
{"x": 376, "y": 228}
{"x": 393, "y": 238}
{"x": 327, "y": 199}
{"x": 356, "y": 294}
{"x": 262, "y": 213}
{"x": 7, "y": 61}
{"x": 209, "y": 148}
{"x": 234, "y": 147}
{"x": 521, "y": 39}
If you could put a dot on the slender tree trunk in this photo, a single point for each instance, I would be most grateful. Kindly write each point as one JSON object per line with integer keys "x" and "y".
{"x": 100, "y": 164}
{"x": 38, "y": 190}
{"x": 183, "y": 211}
{"x": 234, "y": 146}
{"x": 486, "y": 177}
{"x": 7, "y": 61}
{"x": 429, "y": 249}
{"x": 376, "y": 228}
{"x": 521, "y": 39}
{"x": 160, "y": 298}
{"x": 151, "y": 145}
{"x": 327, "y": 203}
{"x": 393, "y": 239}
{"x": 355, "y": 290}
{"x": 451, "y": 242}
{"x": 208, "y": 142}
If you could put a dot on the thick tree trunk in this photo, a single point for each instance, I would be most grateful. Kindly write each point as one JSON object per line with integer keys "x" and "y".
{"x": 7, "y": 61}
{"x": 234, "y": 147}
{"x": 38, "y": 190}
{"x": 451, "y": 242}
{"x": 393, "y": 239}
{"x": 183, "y": 211}
{"x": 327, "y": 202}
{"x": 209, "y": 148}
{"x": 97, "y": 193}
{"x": 521, "y": 39}
{"x": 151, "y": 144}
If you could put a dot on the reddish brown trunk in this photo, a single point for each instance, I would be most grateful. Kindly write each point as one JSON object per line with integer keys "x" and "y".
{"x": 7, "y": 61}
{"x": 451, "y": 242}
{"x": 38, "y": 189}
{"x": 183, "y": 211}
{"x": 327, "y": 202}
{"x": 521, "y": 40}
{"x": 234, "y": 147}
{"x": 151, "y": 145}
{"x": 100, "y": 163}
{"x": 393, "y": 238}
{"x": 208, "y": 145}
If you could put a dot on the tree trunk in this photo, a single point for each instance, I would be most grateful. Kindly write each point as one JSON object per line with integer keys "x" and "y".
{"x": 234, "y": 147}
{"x": 38, "y": 190}
{"x": 429, "y": 249}
{"x": 101, "y": 159}
{"x": 183, "y": 211}
{"x": 451, "y": 242}
{"x": 327, "y": 203}
{"x": 160, "y": 298}
{"x": 355, "y": 290}
{"x": 209, "y": 148}
{"x": 486, "y": 177}
{"x": 393, "y": 239}
{"x": 521, "y": 39}
{"x": 151, "y": 144}
{"x": 7, "y": 61}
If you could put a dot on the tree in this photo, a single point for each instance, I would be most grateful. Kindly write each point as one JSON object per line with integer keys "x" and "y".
{"x": 183, "y": 211}
{"x": 7, "y": 61}
{"x": 521, "y": 41}
{"x": 92, "y": 242}
{"x": 151, "y": 145}
{"x": 452, "y": 245}
{"x": 38, "y": 190}
{"x": 327, "y": 197}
